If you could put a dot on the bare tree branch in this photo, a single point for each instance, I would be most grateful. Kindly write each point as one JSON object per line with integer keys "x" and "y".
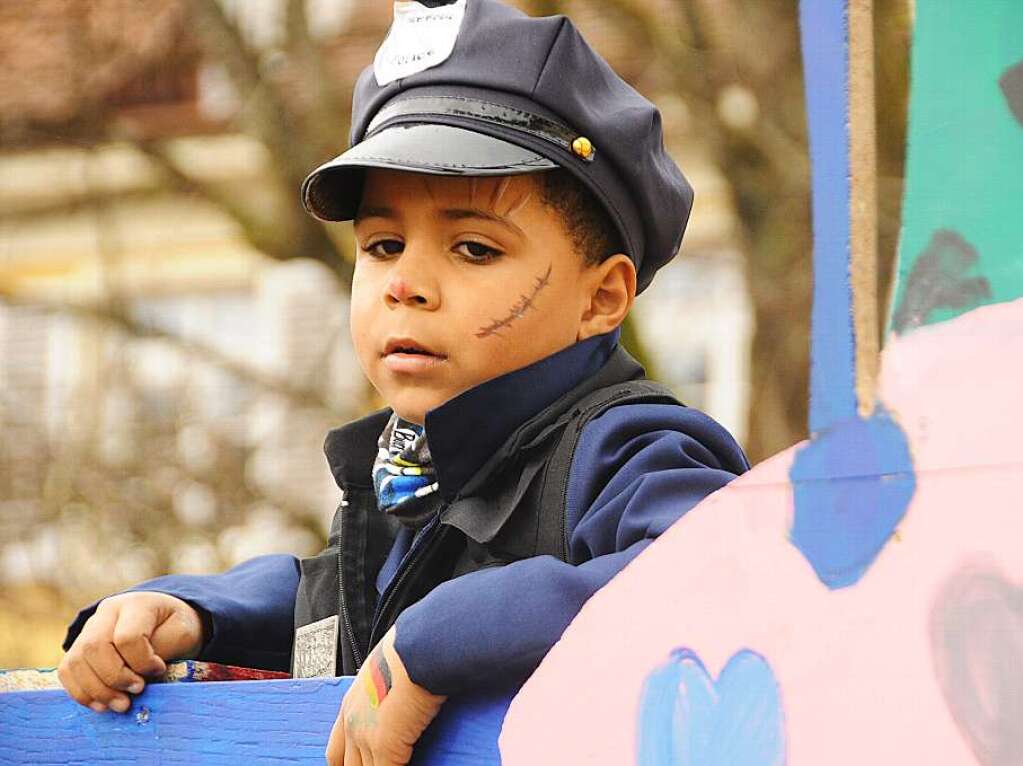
{"x": 262, "y": 111}
{"x": 261, "y": 234}
{"x": 327, "y": 116}
{"x": 695, "y": 64}
{"x": 117, "y": 317}
{"x": 286, "y": 234}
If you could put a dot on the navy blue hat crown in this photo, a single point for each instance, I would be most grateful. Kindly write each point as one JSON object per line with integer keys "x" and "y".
{"x": 538, "y": 87}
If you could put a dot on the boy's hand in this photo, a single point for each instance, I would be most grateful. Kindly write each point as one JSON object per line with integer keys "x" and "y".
{"x": 383, "y": 713}
{"x": 127, "y": 638}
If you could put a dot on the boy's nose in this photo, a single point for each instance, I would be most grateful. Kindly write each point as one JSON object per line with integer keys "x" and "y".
{"x": 402, "y": 291}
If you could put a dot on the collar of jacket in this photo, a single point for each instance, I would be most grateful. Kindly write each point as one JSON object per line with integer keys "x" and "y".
{"x": 485, "y": 424}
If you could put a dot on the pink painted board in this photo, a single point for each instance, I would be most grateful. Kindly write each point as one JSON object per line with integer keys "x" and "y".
{"x": 857, "y": 667}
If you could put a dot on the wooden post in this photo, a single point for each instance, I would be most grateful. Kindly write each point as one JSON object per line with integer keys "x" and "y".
{"x": 863, "y": 201}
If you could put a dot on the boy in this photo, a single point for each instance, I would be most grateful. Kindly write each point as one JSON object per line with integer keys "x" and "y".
{"x": 510, "y": 195}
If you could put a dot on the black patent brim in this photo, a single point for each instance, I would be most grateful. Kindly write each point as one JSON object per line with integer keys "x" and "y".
{"x": 332, "y": 191}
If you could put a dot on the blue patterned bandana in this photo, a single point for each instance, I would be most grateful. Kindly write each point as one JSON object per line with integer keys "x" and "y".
{"x": 403, "y": 468}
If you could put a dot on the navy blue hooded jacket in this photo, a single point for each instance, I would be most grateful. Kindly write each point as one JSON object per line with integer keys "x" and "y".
{"x": 637, "y": 469}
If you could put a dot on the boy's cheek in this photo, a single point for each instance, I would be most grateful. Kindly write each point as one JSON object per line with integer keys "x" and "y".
{"x": 368, "y": 358}
{"x": 361, "y": 311}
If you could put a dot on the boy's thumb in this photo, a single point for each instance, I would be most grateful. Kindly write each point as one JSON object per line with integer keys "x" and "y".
{"x": 178, "y": 636}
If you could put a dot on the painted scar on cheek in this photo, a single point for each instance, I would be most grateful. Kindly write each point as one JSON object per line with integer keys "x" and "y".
{"x": 518, "y": 309}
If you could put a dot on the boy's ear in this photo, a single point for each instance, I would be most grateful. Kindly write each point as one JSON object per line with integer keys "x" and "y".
{"x": 611, "y": 289}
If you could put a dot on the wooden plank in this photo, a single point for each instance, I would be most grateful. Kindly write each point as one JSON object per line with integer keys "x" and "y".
{"x": 230, "y": 722}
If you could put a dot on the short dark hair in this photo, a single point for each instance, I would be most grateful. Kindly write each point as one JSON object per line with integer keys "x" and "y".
{"x": 585, "y": 219}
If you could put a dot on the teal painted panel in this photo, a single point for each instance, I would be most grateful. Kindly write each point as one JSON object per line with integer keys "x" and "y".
{"x": 230, "y": 722}
{"x": 962, "y": 235}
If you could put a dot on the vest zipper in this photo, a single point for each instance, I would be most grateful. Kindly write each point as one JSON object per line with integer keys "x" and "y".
{"x": 342, "y": 603}
{"x": 414, "y": 556}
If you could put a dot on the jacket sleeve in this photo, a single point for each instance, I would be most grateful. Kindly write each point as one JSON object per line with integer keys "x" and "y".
{"x": 637, "y": 469}
{"x": 248, "y": 610}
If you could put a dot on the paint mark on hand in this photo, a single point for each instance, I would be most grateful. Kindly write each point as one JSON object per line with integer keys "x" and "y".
{"x": 518, "y": 309}
{"x": 1011, "y": 83}
{"x": 689, "y": 719}
{"x": 851, "y": 484}
{"x": 938, "y": 280}
{"x": 361, "y": 720}
{"x": 977, "y": 645}
{"x": 377, "y": 678}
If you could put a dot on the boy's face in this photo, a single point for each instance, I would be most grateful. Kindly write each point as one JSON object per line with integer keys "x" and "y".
{"x": 459, "y": 280}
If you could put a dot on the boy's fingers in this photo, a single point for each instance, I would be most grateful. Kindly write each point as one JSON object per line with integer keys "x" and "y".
{"x": 131, "y": 637}
{"x": 71, "y": 686}
{"x": 179, "y": 636}
{"x": 74, "y": 671}
{"x": 109, "y": 665}
{"x": 94, "y": 689}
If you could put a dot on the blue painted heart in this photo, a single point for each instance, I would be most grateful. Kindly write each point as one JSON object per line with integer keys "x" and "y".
{"x": 851, "y": 484}
{"x": 686, "y": 718}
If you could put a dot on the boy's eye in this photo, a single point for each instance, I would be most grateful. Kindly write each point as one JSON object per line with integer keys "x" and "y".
{"x": 385, "y": 247}
{"x": 475, "y": 251}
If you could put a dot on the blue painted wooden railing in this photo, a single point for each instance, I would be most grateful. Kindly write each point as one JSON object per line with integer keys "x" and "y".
{"x": 229, "y": 722}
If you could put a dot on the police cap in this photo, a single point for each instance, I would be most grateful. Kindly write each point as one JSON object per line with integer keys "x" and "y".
{"x": 476, "y": 88}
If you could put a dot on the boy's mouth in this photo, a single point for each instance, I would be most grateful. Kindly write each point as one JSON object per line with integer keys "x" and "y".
{"x": 408, "y": 355}
{"x": 408, "y": 346}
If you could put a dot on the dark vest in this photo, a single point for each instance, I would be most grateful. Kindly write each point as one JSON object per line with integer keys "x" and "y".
{"x": 513, "y": 507}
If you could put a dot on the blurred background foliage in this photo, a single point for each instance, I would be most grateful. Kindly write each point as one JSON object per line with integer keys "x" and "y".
{"x": 173, "y": 339}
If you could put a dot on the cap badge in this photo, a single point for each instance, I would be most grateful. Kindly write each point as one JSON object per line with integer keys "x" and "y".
{"x": 421, "y": 36}
{"x": 582, "y": 147}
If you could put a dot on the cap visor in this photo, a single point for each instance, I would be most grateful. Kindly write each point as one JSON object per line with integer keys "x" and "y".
{"x": 332, "y": 191}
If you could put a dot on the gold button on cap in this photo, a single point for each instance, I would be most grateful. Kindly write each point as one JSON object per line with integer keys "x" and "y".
{"x": 582, "y": 147}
